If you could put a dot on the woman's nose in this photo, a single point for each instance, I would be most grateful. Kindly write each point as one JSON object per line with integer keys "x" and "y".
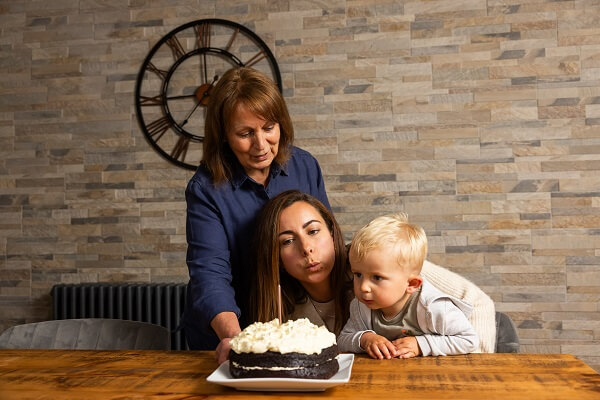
{"x": 260, "y": 139}
{"x": 307, "y": 247}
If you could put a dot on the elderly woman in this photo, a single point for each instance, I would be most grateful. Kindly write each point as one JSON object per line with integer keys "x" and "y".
{"x": 248, "y": 158}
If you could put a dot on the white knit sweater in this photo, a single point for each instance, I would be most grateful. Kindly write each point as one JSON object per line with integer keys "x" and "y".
{"x": 483, "y": 317}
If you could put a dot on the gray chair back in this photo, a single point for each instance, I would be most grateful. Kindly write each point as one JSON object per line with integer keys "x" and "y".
{"x": 87, "y": 334}
{"x": 507, "y": 339}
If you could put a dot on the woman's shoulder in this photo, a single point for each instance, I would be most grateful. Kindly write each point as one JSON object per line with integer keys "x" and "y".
{"x": 202, "y": 184}
{"x": 302, "y": 160}
{"x": 453, "y": 284}
{"x": 201, "y": 178}
{"x": 301, "y": 154}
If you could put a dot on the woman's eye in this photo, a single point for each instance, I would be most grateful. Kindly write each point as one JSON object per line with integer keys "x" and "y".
{"x": 269, "y": 127}
{"x": 244, "y": 134}
{"x": 286, "y": 242}
{"x": 313, "y": 231}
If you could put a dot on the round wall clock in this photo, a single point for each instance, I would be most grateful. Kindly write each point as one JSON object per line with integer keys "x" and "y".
{"x": 174, "y": 83}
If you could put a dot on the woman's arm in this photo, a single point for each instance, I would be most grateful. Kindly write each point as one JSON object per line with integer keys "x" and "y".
{"x": 483, "y": 317}
{"x": 321, "y": 194}
{"x": 208, "y": 259}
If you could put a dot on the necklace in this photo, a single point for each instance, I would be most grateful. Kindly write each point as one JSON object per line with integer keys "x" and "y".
{"x": 326, "y": 311}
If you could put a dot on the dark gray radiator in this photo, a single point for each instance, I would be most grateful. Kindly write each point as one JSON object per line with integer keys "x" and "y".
{"x": 157, "y": 303}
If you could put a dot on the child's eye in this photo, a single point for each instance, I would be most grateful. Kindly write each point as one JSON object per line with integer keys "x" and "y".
{"x": 378, "y": 278}
{"x": 357, "y": 275}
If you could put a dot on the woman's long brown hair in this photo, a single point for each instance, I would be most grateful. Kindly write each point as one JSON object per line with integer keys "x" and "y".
{"x": 269, "y": 270}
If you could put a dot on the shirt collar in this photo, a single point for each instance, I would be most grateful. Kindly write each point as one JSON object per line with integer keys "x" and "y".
{"x": 239, "y": 175}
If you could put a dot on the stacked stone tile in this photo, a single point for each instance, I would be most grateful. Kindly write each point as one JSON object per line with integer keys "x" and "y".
{"x": 480, "y": 119}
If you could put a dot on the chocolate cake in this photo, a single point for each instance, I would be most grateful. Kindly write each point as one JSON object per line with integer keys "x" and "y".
{"x": 295, "y": 349}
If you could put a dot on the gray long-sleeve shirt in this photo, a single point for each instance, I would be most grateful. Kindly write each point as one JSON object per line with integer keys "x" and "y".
{"x": 442, "y": 319}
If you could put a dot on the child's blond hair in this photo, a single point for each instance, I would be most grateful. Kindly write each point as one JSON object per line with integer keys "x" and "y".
{"x": 394, "y": 232}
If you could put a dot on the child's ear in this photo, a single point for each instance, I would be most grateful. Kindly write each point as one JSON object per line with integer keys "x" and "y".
{"x": 414, "y": 282}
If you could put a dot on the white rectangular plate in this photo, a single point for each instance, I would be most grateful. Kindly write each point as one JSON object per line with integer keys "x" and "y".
{"x": 221, "y": 376}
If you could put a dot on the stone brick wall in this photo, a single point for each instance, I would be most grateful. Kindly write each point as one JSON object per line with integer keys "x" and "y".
{"x": 480, "y": 119}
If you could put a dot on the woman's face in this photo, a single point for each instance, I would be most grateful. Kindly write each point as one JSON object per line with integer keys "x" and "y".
{"x": 254, "y": 141}
{"x": 306, "y": 247}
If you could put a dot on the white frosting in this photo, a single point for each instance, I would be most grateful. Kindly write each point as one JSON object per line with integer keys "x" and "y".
{"x": 299, "y": 336}
{"x": 269, "y": 368}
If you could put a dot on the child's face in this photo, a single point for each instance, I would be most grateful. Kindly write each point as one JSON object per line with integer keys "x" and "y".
{"x": 380, "y": 283}
{"x": 306, "y": 245}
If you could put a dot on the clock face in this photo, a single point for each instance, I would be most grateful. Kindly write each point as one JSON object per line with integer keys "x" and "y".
{"x": 174, "y": 83}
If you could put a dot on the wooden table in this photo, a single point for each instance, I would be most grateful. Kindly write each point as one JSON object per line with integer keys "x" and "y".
{"x": 82, "y": 374}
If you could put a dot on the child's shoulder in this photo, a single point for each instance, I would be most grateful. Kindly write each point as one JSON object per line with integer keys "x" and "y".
{"x": 430, "y": 295}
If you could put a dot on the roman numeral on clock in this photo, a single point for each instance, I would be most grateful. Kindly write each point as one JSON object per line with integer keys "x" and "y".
{"x": 181, "y": 147}
{"x": 202, "y": 35}
{"x": 157, "y": 128}
{"x": 176, "y": 47}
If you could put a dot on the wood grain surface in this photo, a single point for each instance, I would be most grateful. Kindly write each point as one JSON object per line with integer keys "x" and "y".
{"x": 82, "y": 374}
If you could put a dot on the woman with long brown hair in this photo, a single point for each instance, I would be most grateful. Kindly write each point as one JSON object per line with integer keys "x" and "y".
{"x": 300, "y": 246}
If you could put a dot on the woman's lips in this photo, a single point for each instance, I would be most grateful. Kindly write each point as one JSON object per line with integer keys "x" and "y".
{"x": 261, "y": 157}
{"x": 314, "y": 267}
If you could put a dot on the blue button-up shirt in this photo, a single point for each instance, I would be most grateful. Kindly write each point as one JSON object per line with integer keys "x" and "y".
{"x": 220, "y": 226}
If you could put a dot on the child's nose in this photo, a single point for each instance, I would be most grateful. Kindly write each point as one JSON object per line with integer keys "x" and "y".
{"x": 364, "y": 286}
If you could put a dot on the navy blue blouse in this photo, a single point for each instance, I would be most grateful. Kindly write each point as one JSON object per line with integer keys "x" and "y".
{"x": 220, "y": 225}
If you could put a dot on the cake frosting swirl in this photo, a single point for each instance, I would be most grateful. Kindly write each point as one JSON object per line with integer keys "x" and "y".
{"x": 294, "y": 336}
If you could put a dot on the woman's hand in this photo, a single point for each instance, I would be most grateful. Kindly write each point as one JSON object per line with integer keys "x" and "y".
{"x": 222, "y": 350}
{"x": 226, "y": 326}
{"x": 407, "y": 347}
{"x": 377, "y": 346}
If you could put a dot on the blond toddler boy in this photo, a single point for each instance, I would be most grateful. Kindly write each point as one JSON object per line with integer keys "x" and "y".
{"x": 396, "y": 312}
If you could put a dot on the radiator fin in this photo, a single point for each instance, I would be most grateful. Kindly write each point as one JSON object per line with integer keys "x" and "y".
{"x": 157, "y": 303}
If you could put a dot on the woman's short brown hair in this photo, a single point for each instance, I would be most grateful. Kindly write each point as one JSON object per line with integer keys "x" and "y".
{"x": 261, "y": 96}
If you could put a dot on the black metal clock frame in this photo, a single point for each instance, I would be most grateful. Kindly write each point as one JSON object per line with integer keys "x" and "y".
{"x": 155, "y": 128}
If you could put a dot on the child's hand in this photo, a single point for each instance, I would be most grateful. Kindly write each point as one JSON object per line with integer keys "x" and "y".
{"x": 407, "y": 347}
{"x": 378, "y": 346}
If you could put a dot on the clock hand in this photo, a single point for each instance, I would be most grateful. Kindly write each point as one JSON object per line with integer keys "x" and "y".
{"x": 205, "y": 94}
{"x": 205, "y": 68}
{"x": 185, "y": 96}
{"x": 185, "y": 121}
